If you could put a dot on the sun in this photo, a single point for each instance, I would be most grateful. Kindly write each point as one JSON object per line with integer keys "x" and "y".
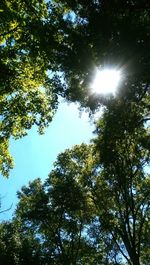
{"x": 106, "y": 81}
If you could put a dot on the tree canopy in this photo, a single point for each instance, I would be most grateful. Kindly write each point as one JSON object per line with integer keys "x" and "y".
{"x": 84, "y": 213}
{"x": 52, "y": 48}
{"x": 94, "y": 206}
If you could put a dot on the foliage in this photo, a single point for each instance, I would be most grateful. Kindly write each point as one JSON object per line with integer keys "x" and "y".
{"x": 62, "y": 214}
{"x": 124, "y": 151}
{"x": 51, "y": 48}
{"x": 25, "y": 95}
{"x": 88, "y": 211}
{"x": 112, "y": 175}
{"x": 94, "y": 206}
{"x": 102, "y": 34}
{"x": 17, "y": 246}
{"x": 59, "y": 218}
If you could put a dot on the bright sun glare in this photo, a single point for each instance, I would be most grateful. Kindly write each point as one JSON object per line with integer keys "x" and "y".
{"x": 106, "y": 81}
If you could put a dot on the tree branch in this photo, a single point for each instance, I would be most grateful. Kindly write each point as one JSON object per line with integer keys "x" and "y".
{"x": 7, "y": 209}
{"x": 115, "y": 240}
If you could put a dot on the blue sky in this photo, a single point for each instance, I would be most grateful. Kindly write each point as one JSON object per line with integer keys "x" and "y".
{"x": 35, "y": 154}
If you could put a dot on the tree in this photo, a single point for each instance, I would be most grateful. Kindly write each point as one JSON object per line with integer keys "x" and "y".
{"x": 61, "y": 212}
{"x": 18, "y": 246}
{"x": 109, "y": 180}
{"x": 26, "y": 96}
{"x": 52, "y": 48}
{"x": 92, "y": 209}
{"x": 123, "y": 139}
{"x": 102, "y": 33}
{"x": 123, "y": 147}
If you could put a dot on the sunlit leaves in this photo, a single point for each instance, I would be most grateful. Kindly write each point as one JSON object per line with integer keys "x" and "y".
{"x": 6, "y": 161}
{"x": 26, "y": 95}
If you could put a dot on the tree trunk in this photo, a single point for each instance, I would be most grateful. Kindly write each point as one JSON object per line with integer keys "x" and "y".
{"x": 134, "y": 258}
